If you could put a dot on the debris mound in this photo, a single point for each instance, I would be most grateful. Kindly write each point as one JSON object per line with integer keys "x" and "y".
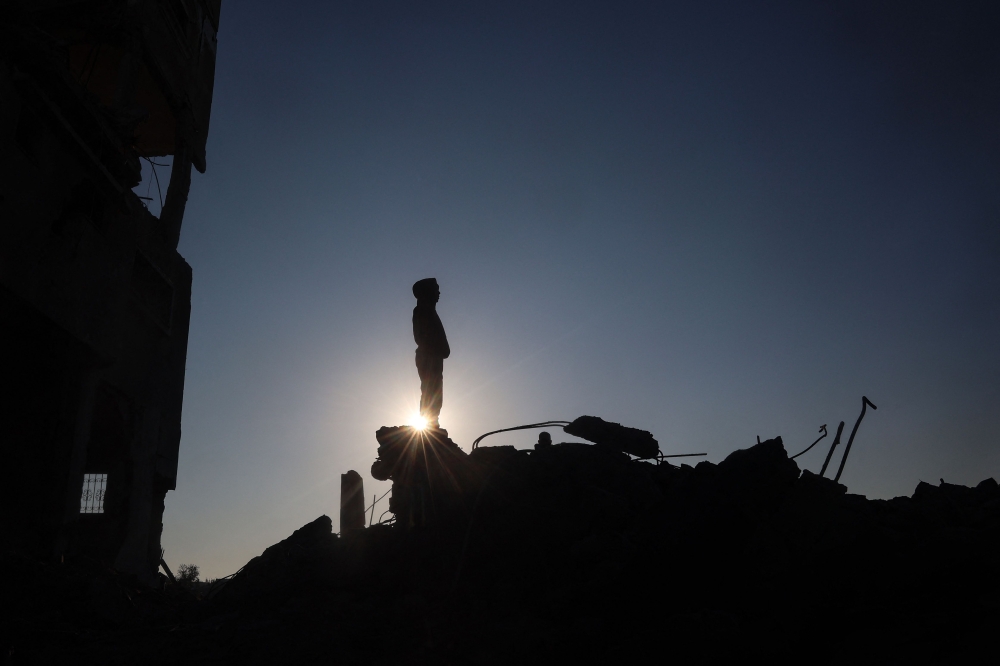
{"x": 579, "y": 553}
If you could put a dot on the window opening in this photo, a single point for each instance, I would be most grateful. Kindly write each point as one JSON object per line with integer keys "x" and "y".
{"x": 92, "y": 497}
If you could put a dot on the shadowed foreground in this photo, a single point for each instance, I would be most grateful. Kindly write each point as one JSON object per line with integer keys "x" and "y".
{"x": 573, "y": 552}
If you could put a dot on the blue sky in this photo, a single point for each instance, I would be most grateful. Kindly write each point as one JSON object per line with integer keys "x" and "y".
{"x": 707, "y": 220}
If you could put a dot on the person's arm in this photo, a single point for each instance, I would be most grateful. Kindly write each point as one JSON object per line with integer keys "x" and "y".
{"x": 441, "y": 340}
{"x": 445, "y": 349}
{"x": 419, "y": 327}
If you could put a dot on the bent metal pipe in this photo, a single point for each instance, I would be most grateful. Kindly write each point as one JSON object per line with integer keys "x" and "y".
{"x": 865, "y": 402}
{"x": 836, "y": 441}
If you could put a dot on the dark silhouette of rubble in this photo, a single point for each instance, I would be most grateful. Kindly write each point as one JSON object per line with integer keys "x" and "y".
{"x": 639, "y": 443}
{"x": 574, "y": 553}
{"x": 427, "y": 469}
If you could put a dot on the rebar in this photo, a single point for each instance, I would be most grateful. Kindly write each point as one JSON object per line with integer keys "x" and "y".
{"x": 864, "y": 406}
{"x": 836, "y": 441}
{"x": 822, "y": 429}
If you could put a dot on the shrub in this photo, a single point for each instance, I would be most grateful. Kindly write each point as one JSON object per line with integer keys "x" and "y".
{"x": 187, "y": 574}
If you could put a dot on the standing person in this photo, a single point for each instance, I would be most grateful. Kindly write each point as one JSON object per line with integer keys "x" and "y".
{"x": 432, "y": 349}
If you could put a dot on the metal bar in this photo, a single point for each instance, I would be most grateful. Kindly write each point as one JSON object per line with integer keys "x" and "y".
{"x": 864, "y": 406}
{"x": 822, "y": 429}
{"x": 170, "y": 574}
{"x": 836, "y": 441}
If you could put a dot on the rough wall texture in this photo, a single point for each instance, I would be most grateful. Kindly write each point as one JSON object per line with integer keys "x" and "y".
{"x": 94, "y": 298}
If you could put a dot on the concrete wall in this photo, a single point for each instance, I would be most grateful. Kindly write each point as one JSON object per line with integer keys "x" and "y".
{"x": 94, "y": 298}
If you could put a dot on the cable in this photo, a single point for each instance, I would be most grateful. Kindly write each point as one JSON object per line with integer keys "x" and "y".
{"x": 377, "y": 501}
{"x": 544, "y": 424}
{"x": 153, "y": 166}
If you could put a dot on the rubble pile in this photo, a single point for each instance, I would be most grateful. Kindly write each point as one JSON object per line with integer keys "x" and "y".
{"x": 576, "y": 552}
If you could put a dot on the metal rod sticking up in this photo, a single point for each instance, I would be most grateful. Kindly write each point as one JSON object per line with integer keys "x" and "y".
{"x": 836, "y": 441}
{"x": 864, "y": 406}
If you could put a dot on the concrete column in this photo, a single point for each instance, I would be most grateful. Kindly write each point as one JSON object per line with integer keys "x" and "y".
{"x": 352, "y": 502}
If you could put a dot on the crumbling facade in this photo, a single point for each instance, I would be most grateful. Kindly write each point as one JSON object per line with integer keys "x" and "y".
{"x": 94, "y": 297}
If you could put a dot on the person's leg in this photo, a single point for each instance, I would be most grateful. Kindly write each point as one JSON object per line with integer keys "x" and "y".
{"x": 435, "y": 391}
{"x": 425, "y": 368}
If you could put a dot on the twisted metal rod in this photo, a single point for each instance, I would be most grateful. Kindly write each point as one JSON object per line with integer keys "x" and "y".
{"x": 836, "y": 441}
{"x": 865, "y": 402}
{"x": 822, "y": 429}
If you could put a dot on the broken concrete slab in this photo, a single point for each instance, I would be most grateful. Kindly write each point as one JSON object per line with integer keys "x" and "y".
{"x": 638, "y": 443}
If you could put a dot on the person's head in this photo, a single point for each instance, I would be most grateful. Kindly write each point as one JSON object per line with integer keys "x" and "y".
{"x": 426, "y": 290}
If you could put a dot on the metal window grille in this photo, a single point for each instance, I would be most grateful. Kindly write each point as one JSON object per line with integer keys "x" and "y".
{"x": 92, "y": 497}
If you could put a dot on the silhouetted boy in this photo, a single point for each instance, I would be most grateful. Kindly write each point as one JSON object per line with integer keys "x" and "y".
{"x": 432, "y": 349}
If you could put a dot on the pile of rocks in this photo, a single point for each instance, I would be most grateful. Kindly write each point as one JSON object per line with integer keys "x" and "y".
{"x": 575, "y": 552}
{"x": 429, "y": 473}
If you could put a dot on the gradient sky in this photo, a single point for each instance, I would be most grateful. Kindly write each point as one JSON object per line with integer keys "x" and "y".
{"x": 713, "y": 221}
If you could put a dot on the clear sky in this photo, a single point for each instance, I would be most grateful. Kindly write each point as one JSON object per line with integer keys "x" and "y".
{"x": 712, "y": 221}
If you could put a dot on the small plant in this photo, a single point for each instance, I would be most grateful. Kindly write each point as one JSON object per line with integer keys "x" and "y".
{"x": 187, "y": 574}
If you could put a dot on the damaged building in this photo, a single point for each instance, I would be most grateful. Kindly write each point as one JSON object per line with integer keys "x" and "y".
{"x": 94, "y": 297}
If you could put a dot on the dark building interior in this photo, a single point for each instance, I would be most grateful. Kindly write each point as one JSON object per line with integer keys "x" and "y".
{"x": 94, "y": 297}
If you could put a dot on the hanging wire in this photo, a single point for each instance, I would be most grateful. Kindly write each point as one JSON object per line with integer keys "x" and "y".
{"x": 544, "y": 424}
{"x": 153, "y": 166}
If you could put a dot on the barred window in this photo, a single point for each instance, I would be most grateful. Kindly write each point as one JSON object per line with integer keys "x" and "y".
{"x": 92, "y": 498}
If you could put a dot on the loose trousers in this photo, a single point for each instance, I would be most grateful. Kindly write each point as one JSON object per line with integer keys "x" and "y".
{"x": 431, "y": 371}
